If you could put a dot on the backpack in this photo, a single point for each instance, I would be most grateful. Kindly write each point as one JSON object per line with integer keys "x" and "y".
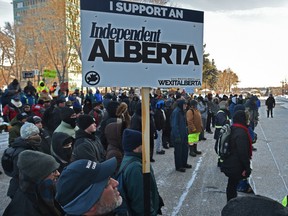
{"x": 123, "y": 209}
{"x": 222, "y": 145}
{"x": 7, "y": 159}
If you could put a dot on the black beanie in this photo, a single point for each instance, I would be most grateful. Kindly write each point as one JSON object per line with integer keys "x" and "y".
{"x": 131, "y": 139}
{"x": 84, "y": 121}
{"x": 66, "y": 113}
{"x": 112, "y": 108}
{"x": 36, "y": 165}
{"x": 240, "y": 117}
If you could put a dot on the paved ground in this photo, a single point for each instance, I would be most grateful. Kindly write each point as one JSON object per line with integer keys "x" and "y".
{"x": 201, "y": 190}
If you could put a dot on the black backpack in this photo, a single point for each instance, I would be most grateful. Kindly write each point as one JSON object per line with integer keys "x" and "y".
{"x": 7, "y": 159}
{"x": 222, "y": 145}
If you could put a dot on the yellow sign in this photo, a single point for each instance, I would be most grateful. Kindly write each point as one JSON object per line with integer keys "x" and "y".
{"x": 50, "y": 73}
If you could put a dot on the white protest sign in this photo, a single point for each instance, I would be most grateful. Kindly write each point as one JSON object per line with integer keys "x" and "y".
{"x": 134, "y": 44}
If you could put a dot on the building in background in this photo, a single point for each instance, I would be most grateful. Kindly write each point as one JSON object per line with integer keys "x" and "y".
{"x": 47, "y": 37}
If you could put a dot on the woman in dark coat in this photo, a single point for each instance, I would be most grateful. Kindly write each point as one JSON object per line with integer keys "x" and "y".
{"x": 237, "y": 165}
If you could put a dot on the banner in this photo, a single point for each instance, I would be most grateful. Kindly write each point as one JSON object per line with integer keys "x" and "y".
{"x": 50, "y": 73}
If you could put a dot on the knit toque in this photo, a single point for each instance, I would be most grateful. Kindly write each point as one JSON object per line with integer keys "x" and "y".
{"x": 36, "y": 165}
{"x": 28, "y": 129}
{"x": 84, "y": 121}
{"x": 131, "y": 139}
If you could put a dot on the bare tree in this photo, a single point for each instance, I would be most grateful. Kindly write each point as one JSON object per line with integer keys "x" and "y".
{"x": 226, "y": 80}
{"x": 46, "y": 38}
{"x": 73, "y": 34}
{"x": 12, "y": 54}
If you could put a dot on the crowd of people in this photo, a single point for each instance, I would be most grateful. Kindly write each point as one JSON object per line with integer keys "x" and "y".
{"x": 95, "y": 135}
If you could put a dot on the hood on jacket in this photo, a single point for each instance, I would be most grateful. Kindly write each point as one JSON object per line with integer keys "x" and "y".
{"x": 60, "y": 139}
{"x": 180, "y": 104}
{"x": 113, "y": 133}
{"x": 40, "y": 82}
{"x": 26, "y": 143}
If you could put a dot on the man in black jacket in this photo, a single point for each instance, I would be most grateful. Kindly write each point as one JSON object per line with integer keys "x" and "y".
{"x": 270, "y": 103}
{"x": 237, "y": 165}
{"x": 87, "y": 145}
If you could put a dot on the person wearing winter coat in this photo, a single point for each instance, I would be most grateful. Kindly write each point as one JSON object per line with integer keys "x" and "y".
{"x": 113, "y": 133}
{"x": 61, "y": 149}
{"x": 133, "y": 104}
{"x": 122, "y": 113}
{"x": 29, "y": 140}
{"x": 133, "y": 177}
{"x": 37, "y": 185}
{"x": 222, "y": 117}
{"x": 179, "y": 136}
{"x": 45, "y": 144}
{"x": 252, "y": 108}
{"x": 87, "y": 145}
{"x": 202, "y": 107}
{"x": 42, "y": 88}
{"x": 210, "y": 114}
{"x": 167, "y": 128}
{"x": 90, "y": 96}
{"x": 233, "y": 102}
{"x": 13, "y": 108}
{"x": 87, "y": 107}
{"x": 68, "y": 122}
{"x": 160, "y": 119}
{"x": 28, "y": 98}
{"x": 270, "y": 104}
{"x": 26, "y": 108}
{"x": 52, "y": 115}
{"x": 16, "y": 124}
{"x": 109, "y": 117}
{"x": 98, "y": 96}
{"x": 194, "y": 125}
{"x": 42, "y": 104}
{"x": 97, "y": 113}
{"x": 237, "y": 165}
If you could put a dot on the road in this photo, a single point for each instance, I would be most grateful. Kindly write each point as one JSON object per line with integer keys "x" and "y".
{"x": 200, "y": 191}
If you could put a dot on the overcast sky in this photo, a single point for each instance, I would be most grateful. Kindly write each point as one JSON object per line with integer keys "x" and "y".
{"x": 6, "y": 11}
{"x": 216, "y": 5}
{"x": 248, "y": 36}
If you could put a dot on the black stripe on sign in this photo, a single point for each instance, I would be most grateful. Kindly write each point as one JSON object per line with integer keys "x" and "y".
{"x": 148, "y": 10}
